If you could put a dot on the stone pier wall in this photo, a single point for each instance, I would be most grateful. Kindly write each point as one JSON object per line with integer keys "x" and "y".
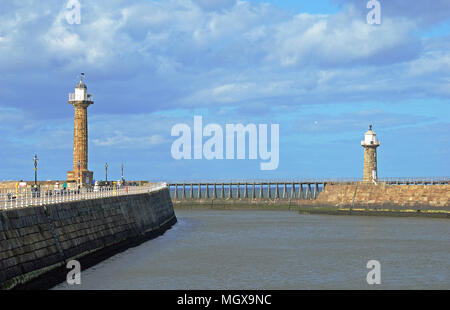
{"x": 35, "y": 241}
{"x": 383, "y": 195}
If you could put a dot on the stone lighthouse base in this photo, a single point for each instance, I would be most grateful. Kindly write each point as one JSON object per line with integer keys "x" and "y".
{"x": 84, "y": 177}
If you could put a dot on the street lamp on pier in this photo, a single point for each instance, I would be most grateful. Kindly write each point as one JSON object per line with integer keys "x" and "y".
{"x": 106, "y": 172}
{"x": 35, "y": 189}
{"x": 122, "y": 174}
{"x": 79, "y": 173}
{"x": 36, "y": 160}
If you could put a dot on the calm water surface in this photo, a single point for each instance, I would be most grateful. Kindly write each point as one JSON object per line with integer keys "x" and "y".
{"x": 281, "y": 250}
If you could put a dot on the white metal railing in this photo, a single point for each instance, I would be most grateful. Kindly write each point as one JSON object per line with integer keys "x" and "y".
{"x": 88, "y": 97}
{"x": 402, "y": 180}
{"x": 22, "y": 198}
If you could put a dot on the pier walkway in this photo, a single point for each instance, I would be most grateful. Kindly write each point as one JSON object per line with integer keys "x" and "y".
{"x": 21, "y": 198}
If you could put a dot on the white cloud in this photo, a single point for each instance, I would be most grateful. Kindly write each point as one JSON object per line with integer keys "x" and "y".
{"x": 119, "y": 140}
{"x": 180, "y": 53}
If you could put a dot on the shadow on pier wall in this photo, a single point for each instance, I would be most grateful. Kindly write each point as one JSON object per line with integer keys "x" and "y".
{"x": 37, "y": 242}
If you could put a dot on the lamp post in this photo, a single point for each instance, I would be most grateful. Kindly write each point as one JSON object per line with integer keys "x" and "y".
{"x": 106, "y": 172}
{"x": 35, "y": 187}
{"x": 36, "y": 160}
{"x": 79, "y": 173}
{"x": 122, "y": 173}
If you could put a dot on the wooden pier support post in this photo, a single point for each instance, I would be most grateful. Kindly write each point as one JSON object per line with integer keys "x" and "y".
{"x": 293, "y": 190}
{"x": 253, "y": 191}
{"x": 268, "y": 190}
{"x": 246, "y": 191}
{"x": 238, "y": 191}
{"x": 199, "y": 194}
{"x": 230, "y": 195}
{"x": 260, "y": 190}
{"x": 176, "y": 191}
{"x": 316, "y": 190}
{"x": 207, "y": 191}
{"x": 222, "y": 194}
{"x": 184, "y": 191}
{"x": 285, "y": 191}
{"x": 191, "y": 194}
{"x": 215, "y": 191}
{"x": 308, "y": 191}
{"x": 277, "y": 194}
{"x": 301, "y": 193}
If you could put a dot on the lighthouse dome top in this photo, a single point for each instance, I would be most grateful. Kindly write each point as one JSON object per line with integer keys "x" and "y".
{"x": 370, "y": 131}
{"x": 80, "y": 93}
{"x": 81, "y": 85}
{"x": 370, "y": 138}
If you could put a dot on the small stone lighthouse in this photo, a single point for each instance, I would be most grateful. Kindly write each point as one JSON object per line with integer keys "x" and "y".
{"x": 81, "y": 100}
{"x": 370, "y": 145}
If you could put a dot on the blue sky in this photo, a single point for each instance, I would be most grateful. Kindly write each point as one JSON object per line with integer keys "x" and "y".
{"x": 314, "y": 67}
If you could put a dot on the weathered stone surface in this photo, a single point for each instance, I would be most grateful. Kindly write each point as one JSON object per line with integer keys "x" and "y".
{"x": 61, "y": 231}
{"x": 80, "y": 174}
{"x": 385, "y": 195}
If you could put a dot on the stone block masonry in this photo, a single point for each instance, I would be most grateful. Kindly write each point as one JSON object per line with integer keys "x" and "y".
{"x": 39, "y": 241}
{"x": 435, "y": 197}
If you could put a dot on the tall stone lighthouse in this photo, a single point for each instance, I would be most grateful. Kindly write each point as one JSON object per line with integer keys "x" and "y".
{"x": 370, "y": 145}
{"x": 81, "y": 100}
